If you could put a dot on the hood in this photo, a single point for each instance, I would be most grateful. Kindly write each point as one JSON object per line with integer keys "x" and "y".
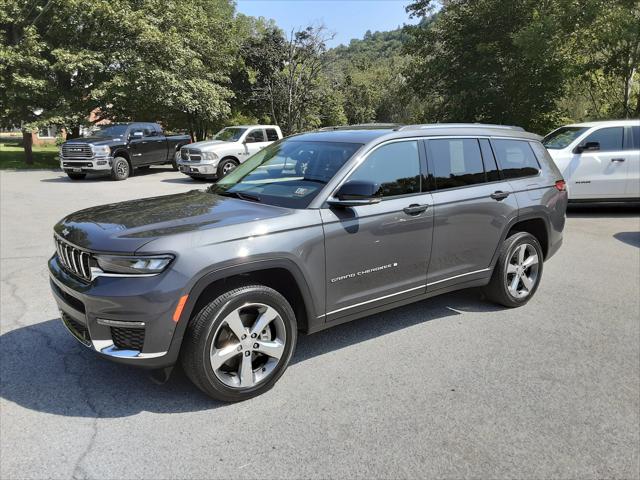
{"x": 125, "y": 227}
{"x": 206, "y": 144}
{"x": 94, "y": 140}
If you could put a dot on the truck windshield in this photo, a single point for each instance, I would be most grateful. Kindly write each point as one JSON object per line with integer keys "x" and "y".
{"x": 230, "y": 134}
{"x": 288, "y": 173}
{"x": 110, "y": 131}
{"x": 560, "y": 138}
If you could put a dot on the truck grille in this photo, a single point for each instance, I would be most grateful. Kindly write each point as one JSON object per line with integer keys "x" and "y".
{"x": 74, "y": 260}
{"x": 190, "y": 155}
{"x": 128, "y": 338}
{"x": 77, "y": 150}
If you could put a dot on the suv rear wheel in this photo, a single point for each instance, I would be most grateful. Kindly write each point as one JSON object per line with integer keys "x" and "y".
{"x": 238, "y": 345}
{"x": 517, "y": 273}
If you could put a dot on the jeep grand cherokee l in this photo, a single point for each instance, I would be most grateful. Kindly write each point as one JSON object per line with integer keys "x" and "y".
{"x": 314, "y": 230}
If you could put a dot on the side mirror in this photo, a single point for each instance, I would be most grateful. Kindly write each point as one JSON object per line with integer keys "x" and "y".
{"x": 588, "y": 147}
{"x": 356, "y": 193}
{"x": 136, "y": 134}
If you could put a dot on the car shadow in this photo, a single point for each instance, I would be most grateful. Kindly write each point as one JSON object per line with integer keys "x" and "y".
{"x": 630, "y": 238}
{"x": 104, "y": 177}
{"x": 187, "y": 180}
{"x": 44, "y": 369}
{"x": 603, "y": 210}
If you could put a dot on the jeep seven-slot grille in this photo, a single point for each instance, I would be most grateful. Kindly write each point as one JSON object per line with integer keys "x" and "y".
{"x": 77, "y": 329}
{"x": 74, "y": 260}
{"x": 190, "y": 155}
{"x": 77, "y": 150}
{"x": 128, "y": 338}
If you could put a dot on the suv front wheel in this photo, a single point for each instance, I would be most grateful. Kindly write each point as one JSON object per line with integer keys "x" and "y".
{"x": 517, "y": 273}
{"x": 238, "y": 345}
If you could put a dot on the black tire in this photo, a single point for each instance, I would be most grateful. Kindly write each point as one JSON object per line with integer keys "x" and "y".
{"x": 76, "y": 176}
{"x": 120, "y": 170}
{"x": 225, "y": 166}
{"x": 201, "y": 332}
{"x": 174, "y": 165}
{"x": 498, "y": 290}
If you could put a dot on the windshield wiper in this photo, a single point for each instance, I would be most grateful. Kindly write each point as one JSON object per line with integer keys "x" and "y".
{"x": 241, "y": 196}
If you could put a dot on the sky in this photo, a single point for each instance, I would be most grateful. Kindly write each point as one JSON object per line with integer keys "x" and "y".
{"x": 346, "y": 18}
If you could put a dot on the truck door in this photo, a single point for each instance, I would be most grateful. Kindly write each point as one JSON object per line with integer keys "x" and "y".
{"x": 254, "y": 141}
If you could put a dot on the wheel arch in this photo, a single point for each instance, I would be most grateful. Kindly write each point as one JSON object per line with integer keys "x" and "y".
{"x": 121, "y": 152}
{"x": 536, "y": 226}
{"x": 280, "y": 274}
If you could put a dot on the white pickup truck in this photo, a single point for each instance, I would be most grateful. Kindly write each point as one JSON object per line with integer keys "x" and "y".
{"x": 230, "y": 147}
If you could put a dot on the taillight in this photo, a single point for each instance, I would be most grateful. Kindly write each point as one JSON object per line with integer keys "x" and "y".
{"x": 561, "y": 185}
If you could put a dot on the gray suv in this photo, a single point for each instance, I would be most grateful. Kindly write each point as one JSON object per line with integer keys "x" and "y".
{"x": 313, "y": 231}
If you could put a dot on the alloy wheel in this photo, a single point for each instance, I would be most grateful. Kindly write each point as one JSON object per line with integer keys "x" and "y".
{"x": 227, "y": 167}
{"x": 522, "y": 270}
{"x": 248, "y": 345}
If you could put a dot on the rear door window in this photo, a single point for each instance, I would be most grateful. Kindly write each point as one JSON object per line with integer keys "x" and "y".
{"x": 272, "y": 134}
{"x": 610, "y": 139}
{"x": 490, "y": 165}
{"x": 457, "y": 162}
{"x": 515, "y": 158}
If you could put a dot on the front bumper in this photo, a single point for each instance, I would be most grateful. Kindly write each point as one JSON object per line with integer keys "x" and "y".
{"x": 198, "y": 169}
{"x": 94, "y": 164}
{"x": 125, "y": 319}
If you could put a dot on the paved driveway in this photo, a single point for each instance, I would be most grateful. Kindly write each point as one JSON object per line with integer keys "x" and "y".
{"x": 450, "y": 387}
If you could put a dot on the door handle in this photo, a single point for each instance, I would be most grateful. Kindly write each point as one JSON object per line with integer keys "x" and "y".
{"x": 415, "y": 209}
{"x": 617, "y": 160}
{"x": 499, "y": 195}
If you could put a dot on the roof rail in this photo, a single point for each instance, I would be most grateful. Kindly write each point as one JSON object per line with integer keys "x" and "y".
{"x": 362, "y": 126}
{"x": 459, "y": 125}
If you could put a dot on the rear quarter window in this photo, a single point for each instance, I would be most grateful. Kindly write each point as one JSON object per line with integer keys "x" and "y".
{"x": 515, "y": 158}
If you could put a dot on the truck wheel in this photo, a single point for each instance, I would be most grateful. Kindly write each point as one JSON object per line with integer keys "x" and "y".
{"x": 225, "y": 166}
{"x": 120, "y": 169}
{"x": 76, "y": 176}
{"x": 240, "y": 344}
{"x": 174, "y": 165}
{"x": 518, "y": 271}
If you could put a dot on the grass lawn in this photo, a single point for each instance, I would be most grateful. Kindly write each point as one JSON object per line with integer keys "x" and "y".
{"x": 12, "y": 155}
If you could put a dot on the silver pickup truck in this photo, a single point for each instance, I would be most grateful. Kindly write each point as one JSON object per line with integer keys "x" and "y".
{"x": 229, "y": 148}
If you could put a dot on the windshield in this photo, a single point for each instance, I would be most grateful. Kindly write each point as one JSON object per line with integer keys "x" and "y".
{"x": 562, "y": 137}
{"x": 288, "y": 173}
{"x": 230, "y": 134}
{"x": 110, "y": 131}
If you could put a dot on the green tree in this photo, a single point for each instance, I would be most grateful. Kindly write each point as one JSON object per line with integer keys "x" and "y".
{"x": 491, "y": 61}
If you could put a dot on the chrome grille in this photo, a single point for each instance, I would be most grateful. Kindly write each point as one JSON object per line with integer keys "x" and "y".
{"x": 190, "y": 155}
{"x": 77, "y": 150}
{"x": 74, "y": 260}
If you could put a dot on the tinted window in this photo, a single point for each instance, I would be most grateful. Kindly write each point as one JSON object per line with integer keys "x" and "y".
{"x": 610, "y": 139}
{"x": 255, "y": 136}
{"x": 456, "y": 162}
{"x": 515, "y": 158}
{"x": 635, "y": 133}
{"x": 229, "y": 134}
{"x": 562, "y": 137}
{"x": 490, "y": 166}
{"x": 395, "y": 167}
{"x": 272, "y": 135}
{"x": 289, "y": 173}
{"x": 110, "y": 131}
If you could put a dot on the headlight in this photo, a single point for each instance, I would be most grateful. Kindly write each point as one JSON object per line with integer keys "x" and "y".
{"x": 101, "y": 150}
{"x": 209, "y": 156}
{"x": 133, "y": 265}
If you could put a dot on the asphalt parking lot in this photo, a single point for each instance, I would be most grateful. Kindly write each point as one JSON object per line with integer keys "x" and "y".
{"x": 451, "y": 387}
